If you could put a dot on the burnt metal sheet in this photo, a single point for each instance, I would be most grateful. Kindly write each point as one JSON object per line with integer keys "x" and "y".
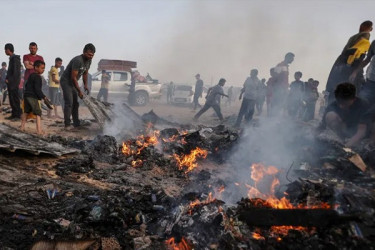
{"x": 12, "y": 140}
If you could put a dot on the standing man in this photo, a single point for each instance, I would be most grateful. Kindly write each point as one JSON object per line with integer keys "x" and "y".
{"x": 12, "y": 80}
{"x": 311, "y": 97}
{"x": 295, "y": 96}
{"x": 3, "y": 85}
{"x": 54, "y": 85}
{"x": 103, "y": 92}
{"x": 29, "y": 59}
{"x": 198, "y": 91}
{"x": 350, "y": 58}
{"x": 250, "y": 92}
{"x": 368, "y": 90}
{"x": 170, "y": 91}
{"x": 261, "y": 97}
{"x": 77, "y": 67}
{"x": 281, "y": 84}
{"x": 212, "y": 100}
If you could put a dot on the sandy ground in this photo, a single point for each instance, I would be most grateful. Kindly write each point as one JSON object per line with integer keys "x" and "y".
{"x": 175, "y": 113}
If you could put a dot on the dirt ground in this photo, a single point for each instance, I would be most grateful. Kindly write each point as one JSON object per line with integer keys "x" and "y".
{"x": 175, "y": 113}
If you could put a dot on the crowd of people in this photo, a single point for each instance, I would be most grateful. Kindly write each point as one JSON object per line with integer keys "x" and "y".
{"x": 25, "y": 87}
{"x": 348, "y": 108}
{"x": 298, "y": 99}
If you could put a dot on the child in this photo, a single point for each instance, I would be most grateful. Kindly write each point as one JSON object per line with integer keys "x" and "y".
{"x": 32, "y": 94}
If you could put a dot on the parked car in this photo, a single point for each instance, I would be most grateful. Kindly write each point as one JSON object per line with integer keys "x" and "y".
{"x": 120, "y": 80}
{"x": 182, "y": 94}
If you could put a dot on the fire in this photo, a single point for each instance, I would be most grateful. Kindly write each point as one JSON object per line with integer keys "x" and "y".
{"x": 259, "y": 199}
{"x": 172, "y": 245}
{"x": 189, "y": 161}
{"x": 171, "y": 139}
{"x": 258, "y": 172}
{"x": 126, "y": 149}
{"x": 197, "y": 202}
{"x": 135, "y": 148}
{"x": 137, "y": 163}
{"x": 257, "y": 236}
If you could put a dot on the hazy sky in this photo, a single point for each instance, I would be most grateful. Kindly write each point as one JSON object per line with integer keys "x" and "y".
{"x": 174, "y": 40}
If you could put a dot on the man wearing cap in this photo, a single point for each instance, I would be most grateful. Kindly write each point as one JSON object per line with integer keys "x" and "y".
{"x": 212, "y": 100}
{"x": 198, "y": 91}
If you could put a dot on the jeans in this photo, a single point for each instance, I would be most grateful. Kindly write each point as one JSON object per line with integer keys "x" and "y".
{"x": 71, "y": 104}
{"x": 206, "y": 106}
{"x": 14, "y": 100}
{"x": 259, "y": 104}
{"x": 247, "y": 110}
{"x": 196, "y": 101}
{"x": 309, "y": 112}
{"x": 103, "y": 92}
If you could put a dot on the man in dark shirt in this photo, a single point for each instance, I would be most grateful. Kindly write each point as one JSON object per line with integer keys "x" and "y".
{"x": 348, "y": 116}
{"x": 12, "y": 80}
{"x": 32, "y": 94}
{"x": 198, "y": 91}
{"x": 77, "y": 67}
{"x": 212, "y": 100}
{"x": 295, "y": 95}
{"x": 311, "y": 95}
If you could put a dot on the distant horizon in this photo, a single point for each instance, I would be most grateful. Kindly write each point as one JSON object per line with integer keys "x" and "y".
{"x": 174, "y": 40}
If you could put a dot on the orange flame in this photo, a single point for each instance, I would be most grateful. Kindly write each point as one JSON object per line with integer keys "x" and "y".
{"x": 189, "y": 161}
{"x": 259, "y": 199}
{"x": 141, "y": 143}
{"x": 197, "y": 202}
{"x": 258, "y": 172}
{"x": 172, "y": 245}
{"x": 257, "y": 236}
{"x": 126, "y": 149}
{"x": 137, "y": 163}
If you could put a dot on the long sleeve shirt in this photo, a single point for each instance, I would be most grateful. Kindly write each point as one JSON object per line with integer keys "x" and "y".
{"x": 14, "y": 72}
{"x": 33, "y": 87}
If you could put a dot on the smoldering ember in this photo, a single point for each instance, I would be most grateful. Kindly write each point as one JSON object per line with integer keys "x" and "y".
{"x": 218, "y": 147}
{"x": 277, "y": 184}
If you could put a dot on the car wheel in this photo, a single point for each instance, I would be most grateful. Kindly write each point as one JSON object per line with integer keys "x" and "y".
{"x": 141, "y": 98}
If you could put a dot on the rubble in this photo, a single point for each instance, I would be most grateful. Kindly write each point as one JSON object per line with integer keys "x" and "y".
{"x": 13, "y": 140}
{"x": 142, "y": 193}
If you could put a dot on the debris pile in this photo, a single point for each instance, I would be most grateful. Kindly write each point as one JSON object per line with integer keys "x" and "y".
{"x": 171, "y": 189}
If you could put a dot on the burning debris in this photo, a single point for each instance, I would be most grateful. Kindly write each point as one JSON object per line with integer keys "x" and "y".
{"x": 172, "y": 189}
{"x": 190, "y": 161}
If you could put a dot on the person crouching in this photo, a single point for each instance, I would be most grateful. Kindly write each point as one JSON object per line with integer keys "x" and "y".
{"x": 348, "y": 116}
{"x": 32, "y": 94}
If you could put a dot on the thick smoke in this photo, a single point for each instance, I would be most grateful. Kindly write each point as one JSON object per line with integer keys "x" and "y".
{"x": 121, "y": 125}
{"x": 274, "y": 142}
